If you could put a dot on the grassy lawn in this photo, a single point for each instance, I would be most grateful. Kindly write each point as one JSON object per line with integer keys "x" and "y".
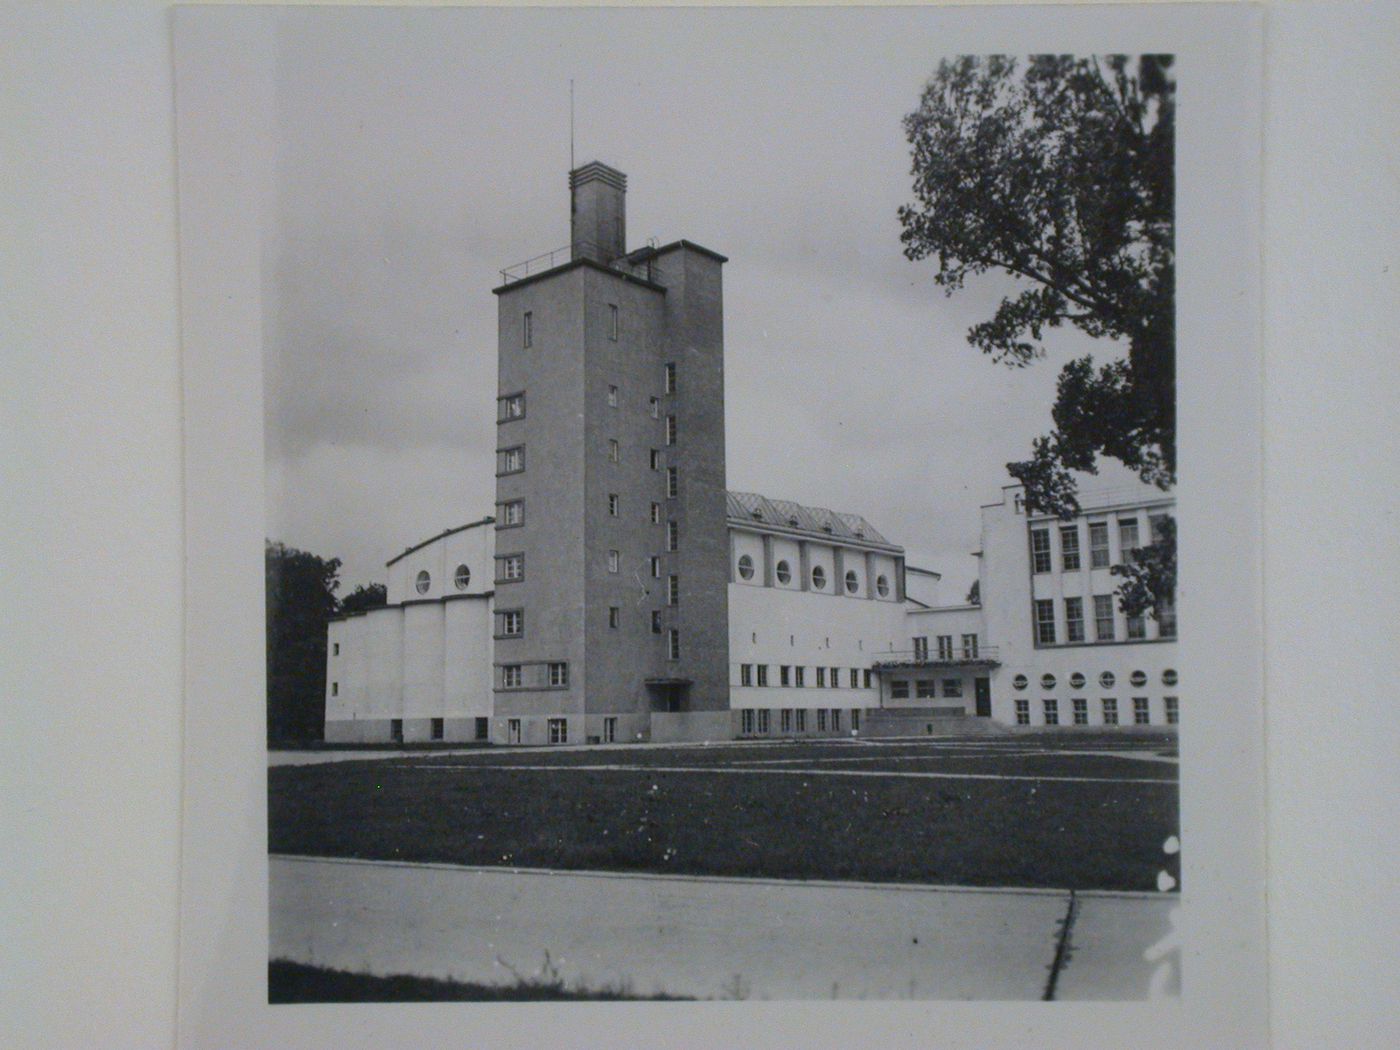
{"x": 290, "y": 982}
{"x": 479, "y": 810}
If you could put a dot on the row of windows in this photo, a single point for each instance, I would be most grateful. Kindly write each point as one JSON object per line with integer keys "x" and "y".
{"x": 513, "y": 675}
{"x": 946, "y": 650}
{"x": 1107, "y": 679}
{"x": 558, "y": 730}
{"x": 1099, "y": 556}
{"x": 758, "y": 721}
{"x": 925, "y": 688}
{"x": 1105, "y": 629}
{"x": 1079, "y": 711}
{"x": 461, "y": 579}
{"x": 795, "y": 676}
{"x": 436, "y": 728}
{"x": 527, "y": 338}
{"x": 782, "y": 572}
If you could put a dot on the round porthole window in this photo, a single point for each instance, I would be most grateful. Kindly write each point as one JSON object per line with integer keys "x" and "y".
{"x": 1106, "y": 679}
{"x": 1138, "y": 678}
{"x": 882, "y": 586}
{"x": 423, "y": 582}
{"x": 1020, "y": 681}
{"x": 818, "y": 578}
{"x": 783, "y": 572}
{"x": 852, "y": 581}
{"x": 462, "y": 578}
{"x": 746, "y": 567}
{"x": 1076, "y": 680}
{"x": 1047, "y": 681}
{"x": 1169, "y": 677}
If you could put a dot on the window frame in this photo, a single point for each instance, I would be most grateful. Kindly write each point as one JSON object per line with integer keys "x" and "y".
{"x": 1070, "y": 560}
{"x": 1044, "y": 626}
{"x": 510, "y": 460}
{"x": 1102, "y": 601}
{"x": 1100, "y": 555}
{"x": 1074, "y": 618}
{"x": 510, "y": 567}
{"x": 1041, "y": 559}
{"x": 558, "y": 674}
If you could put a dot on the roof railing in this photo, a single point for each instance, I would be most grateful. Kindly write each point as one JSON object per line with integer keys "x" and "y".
{"x": 960, "y": 655}
{"x": 644, "y": 268}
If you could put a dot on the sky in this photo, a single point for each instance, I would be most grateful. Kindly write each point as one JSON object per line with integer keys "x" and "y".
{"x": 417, "y": 152}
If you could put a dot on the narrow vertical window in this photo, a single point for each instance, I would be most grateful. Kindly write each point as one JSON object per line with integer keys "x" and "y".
{"x": 655, "y": 459}
{"x": 1103, "y": 617}
{"x": 746, "y": 674}
{"x": 1074, "y": 619}
{"x": 612, "y": 396}
{"x": 654, "y": 406}
{"x": 612, "y": 504}
{"x": 1098, "y": 545}
{"x": 614, "y": 561}
{"x": 614, "y": 616}
{"x": 1110, "y": 711}
{"x": 1127, "y": 538}
{"x": 1045, "y": 621}
{"x": 1173, "y": 710}
{"x": 1052, "y": 712}
{"x": 1069, "y": 547}
{"x": 670, "y": 430}
{"x": 673, "y": 590}
{"x": 670, "y": 378}
{"x": 1040, "y": 550}
{"x": 1023, "y": 712}
{"x": 762, "y": 674}
{"x": 656, "y": 513}
{"x": 614, "y": 450}
{"x": 673, "y": 482}
{"x": 673, "y": 535}
{"x": 528, "y": 330}
{"x": 612, "y": 321}
{"x": 673, "y": 644}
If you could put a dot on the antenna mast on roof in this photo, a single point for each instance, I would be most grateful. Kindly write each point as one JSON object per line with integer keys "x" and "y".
{"x": 571, "y": 124}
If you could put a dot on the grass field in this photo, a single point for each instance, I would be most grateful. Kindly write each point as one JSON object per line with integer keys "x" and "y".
{"x": 1007, "y": 812}
{"x": 292, "y": 982}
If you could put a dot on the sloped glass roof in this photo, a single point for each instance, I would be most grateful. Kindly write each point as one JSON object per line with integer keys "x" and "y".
{"x": 750, "y": 506}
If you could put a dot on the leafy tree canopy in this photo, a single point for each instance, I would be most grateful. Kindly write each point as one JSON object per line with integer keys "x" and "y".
{"x": 362, "y": 598}
{"x": 300, "y": 601}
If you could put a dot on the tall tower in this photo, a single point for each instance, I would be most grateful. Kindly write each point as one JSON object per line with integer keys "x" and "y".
{"x": 611, "y": 544}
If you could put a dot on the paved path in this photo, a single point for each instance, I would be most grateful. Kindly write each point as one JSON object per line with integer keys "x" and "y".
{"x": 708, "y": 937}
{"x": 751, "y": 770}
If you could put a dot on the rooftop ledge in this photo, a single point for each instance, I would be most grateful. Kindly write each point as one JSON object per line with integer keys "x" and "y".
{"x": 638, "y": 265}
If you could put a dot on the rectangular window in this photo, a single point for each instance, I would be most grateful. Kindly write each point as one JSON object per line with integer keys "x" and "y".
{"x": 1110, "y": 711}
{"x": 483, "y": 728}
{"x": 945, "y": 646}
{"x": 656, "y": 621}
{"x": 799, "y": 676}
{"x": 746, "y": 674}
{"x": 1069, "y": 548}
{"x": 655, "y": 459}
{"x": 1045, "y": 621}
{"x": 1127, "y": 538}
{"x": 785, "y": 719}
{"x": 1081, "y": 712}
{"x": 614, "y": 561}
{"x": 1040, "y": 550}
{"x": 510, "y": 513}
{"x": 335, "y": 689}
{"x": 673, "y": 590}
{"x": 1103, "y": 617}
{"x": 614, "y": 616}
{"x": 1137, "y": 627}
{"x": 558, "y": 730}
{"x": 836, "y": 720}
{"x": 510, "y": 460}
{"x": 1166, "y": 618}
{"x": 614, "y": 451}
{"x": 670, "y": 430}
{"x": 612, "y": 504}
{"x": 511, "y": 676}
{"x": 612, "y": 322}
{"x": 335, "y": 651}
{"x": 654, "y": 406}
{"x": 855, "y": 678}
{"x": 612, "y": 396}
{"x": 512, "y": 406}
{"x": 673, "y": 535}
{"x": 821, "y": 677}
{"x": 952, "y": 687}
{"x": 1074, "y": 619}
{"x": 510, "y": 623}
{"x": 396, "y": 730}
{"x": 673, "y": 644}
{"x": 969, "y": 646}
{"x": 609, "y": 730}
{"x": 855, "y": 720}
{"x": 784, "y": 675}
{"x": 435, "y": 728}
{"x": 867, "y": 678}
{"x": 1098, "y": 544}
{"x": 835, "y": 678}
{"x": 764, "y": 720}
{"x": 513, "y": 730}
{"x": 670, "y": 378}
{"x": 746, "y": 720}
{"x": 1140, "y": 711}
{"x": 510, "y": 567}
{"x": 821, "y": 720}
{"x": 1023, "y": 712}
{"x": 1052, "y": 712}
{"x": 655, "y": 567}
{"x": 558, "y": 674}
{"x": 921, "y": 649}
{"x": 528, "y": 330}
{"x": 926, "y": 688}
{"x": 899, "y": 689}
{"x": 762, "y": 674}
{"x": 656, "y": 513}
{"x": 673, "y": 482}
{"x": 1173, "y": 710}
{"x": 801, "y": 720}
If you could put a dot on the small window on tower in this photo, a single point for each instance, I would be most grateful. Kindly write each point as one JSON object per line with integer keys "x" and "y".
{"x": 614, "y": 616}
{"x": 614, "y": 560}
{"x": 612, "y": 504}
{"x": 673, "y": 482}
{"x": 612, "y": 397}
{"x": 670, "y": 378}
{"x": 670, "y": 430}
{"x": 673, "y": 535}
{"x": 655, "y": 405}
{"x": 612, "y": 321}
{"x": 528, "y": 330}
{"x": 673, "y": 644}
{"x": 656, "y": 513}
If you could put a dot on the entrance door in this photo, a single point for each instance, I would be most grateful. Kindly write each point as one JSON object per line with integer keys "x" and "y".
{"x": 984, "y": 697}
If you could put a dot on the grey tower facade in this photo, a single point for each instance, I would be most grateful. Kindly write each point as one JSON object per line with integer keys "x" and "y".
{"x": 611, "y": 605}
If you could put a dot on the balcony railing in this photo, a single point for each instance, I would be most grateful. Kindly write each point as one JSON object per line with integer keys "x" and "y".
{"x": 645, "y": 268}
{"x": 961, "y": 656}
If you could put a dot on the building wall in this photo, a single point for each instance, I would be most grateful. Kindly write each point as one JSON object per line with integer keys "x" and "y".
{"x": 470, "y": 546}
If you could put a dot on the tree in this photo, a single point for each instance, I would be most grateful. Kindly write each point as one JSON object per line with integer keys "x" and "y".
{"x": 362, "y": 598}
{"x": 1062, "y": 177}
{"x": 300, "y": 602}
{"x": 974, "y": 593}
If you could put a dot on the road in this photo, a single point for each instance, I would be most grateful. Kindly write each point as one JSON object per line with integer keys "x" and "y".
{"x": 715, "y": 938}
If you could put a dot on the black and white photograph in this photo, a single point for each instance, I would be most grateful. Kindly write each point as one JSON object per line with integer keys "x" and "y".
{"x": 720, "y": 480}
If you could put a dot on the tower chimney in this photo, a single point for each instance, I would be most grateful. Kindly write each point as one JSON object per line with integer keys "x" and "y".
{"x": 599, "y": 212}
